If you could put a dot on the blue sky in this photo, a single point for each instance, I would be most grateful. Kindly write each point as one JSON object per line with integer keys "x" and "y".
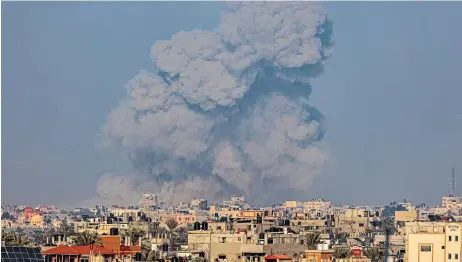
{"x": 391, "y": 93}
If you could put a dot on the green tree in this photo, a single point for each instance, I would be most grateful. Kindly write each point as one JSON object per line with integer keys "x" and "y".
{"x": 375, "y": 254}
{"x": 134, "y": 233}
{"x": 153, "y": 229}
{"x": 343, "y": 238}
{"x": 182, "y": 235}
{"x": 7, "y": 215}
{"x": 15, "y": 239}
{"x": 312, "y": 240}
{"x": 388, "y": 227}
{"x": 47, "y": 221}
{"x": 146, "y": 251}
{"x": 39, "y": 237}
{"x": 172, "y": 232}
{"x": 342, "y": 252}
{"x": 86, "y": 238}
{"x": 65, "y": 228}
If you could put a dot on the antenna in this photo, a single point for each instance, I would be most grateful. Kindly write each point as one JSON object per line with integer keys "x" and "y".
{"x": 452, "y": 188}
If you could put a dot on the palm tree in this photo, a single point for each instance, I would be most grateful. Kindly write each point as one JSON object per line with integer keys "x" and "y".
{"x": 86, "y": 238}
{"x": 312, "y": 240}
{"x": 65, "y": 228}
{"x": 342, "y": 238}
{"x": 39, "y": 237}
{"x": 145, "y": 248}
{"x": 388, "y": 227}
{"x": 182, "y": 235}
{"x": 153, "y": 229}
{"x": 342, "y": 252}
{"x": 134, "y": 234}
{"x": 15, "y": 239}
{"x": 172, "y": 225}
{"x": 375, "y": 254}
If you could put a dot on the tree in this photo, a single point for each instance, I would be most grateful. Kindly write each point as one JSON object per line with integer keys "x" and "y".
{"x": 134, "y": 233}
{"x": 15, "y": 239}
{"x": 47, "y": 221}
{"x": 172, "y": 233}
{"x": 342, "y": 252}
{"x": 198, "y": 259}
{"x": 388, "y": 227}
{"x": 375, "y": 254}
{"x": 7, "y": 215}
{"x": 153, "y": 229}
{"x": 65, "y": 228}
{"x": 342, "y": 238}
{"x": 39, "y": 237}
{"x": 86, "y": 238}
{"x": 171, "y": 224}
{"x": 312, "y": 240}
{"x": 182, "y": 235}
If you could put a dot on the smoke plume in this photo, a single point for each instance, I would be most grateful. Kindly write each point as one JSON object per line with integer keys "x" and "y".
{"x": 226, "y": 112}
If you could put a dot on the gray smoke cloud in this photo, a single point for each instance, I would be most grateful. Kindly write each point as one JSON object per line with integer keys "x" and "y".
{"x": 226, "y": 112}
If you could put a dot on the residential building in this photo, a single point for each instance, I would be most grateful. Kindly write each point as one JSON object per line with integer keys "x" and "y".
{"x": 436, "y": 246}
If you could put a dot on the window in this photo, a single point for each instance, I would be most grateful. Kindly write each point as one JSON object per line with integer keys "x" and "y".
{"x": 456, "y": 256}
{"x": 450, "y": 238}
{"x": 449, "y": 256}
{"x": 425, "y": 248}
{"x": 456, "y": 238}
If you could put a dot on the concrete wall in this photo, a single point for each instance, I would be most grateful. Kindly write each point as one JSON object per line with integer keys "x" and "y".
{"x": 417, "y": 244}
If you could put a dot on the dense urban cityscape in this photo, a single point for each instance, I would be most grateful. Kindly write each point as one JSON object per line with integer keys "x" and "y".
{"x": 303, "y": 231}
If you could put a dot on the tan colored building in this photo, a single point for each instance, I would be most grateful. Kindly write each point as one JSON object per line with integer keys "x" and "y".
{"x": 405, "y": 216}
{"x": 317, "y": 204}
{"x": 290, "y": 204}
{"x": 36, "y": 221}
{"x": 435, "y": 247}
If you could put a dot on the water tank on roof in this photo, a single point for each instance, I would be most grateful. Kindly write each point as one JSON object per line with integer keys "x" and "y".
{"x": 197, "y": 226}
{"x": 261, "y": 236}
{"x": 165, "y": 247}
{"x": 205, "y": 225}
{"x": 114, "y": 231}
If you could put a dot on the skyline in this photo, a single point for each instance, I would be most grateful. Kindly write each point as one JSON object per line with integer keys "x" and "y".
{"x": 363, "y": 128}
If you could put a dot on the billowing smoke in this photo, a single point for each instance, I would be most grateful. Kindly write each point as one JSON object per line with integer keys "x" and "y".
{"x": 226, "y": 112}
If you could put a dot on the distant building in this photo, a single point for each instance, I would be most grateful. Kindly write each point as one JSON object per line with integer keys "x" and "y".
{"x": 148, "y": 200}
{"x": 199, "y": 203}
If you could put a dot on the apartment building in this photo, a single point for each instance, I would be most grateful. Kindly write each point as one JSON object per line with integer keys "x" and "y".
{"x": 245, "y": 240}
{"x": 445, "y": 245}
{"x": 316, "y": 204}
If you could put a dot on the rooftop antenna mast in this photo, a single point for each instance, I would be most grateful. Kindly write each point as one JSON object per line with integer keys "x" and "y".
{"x": 452, "y": 188}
